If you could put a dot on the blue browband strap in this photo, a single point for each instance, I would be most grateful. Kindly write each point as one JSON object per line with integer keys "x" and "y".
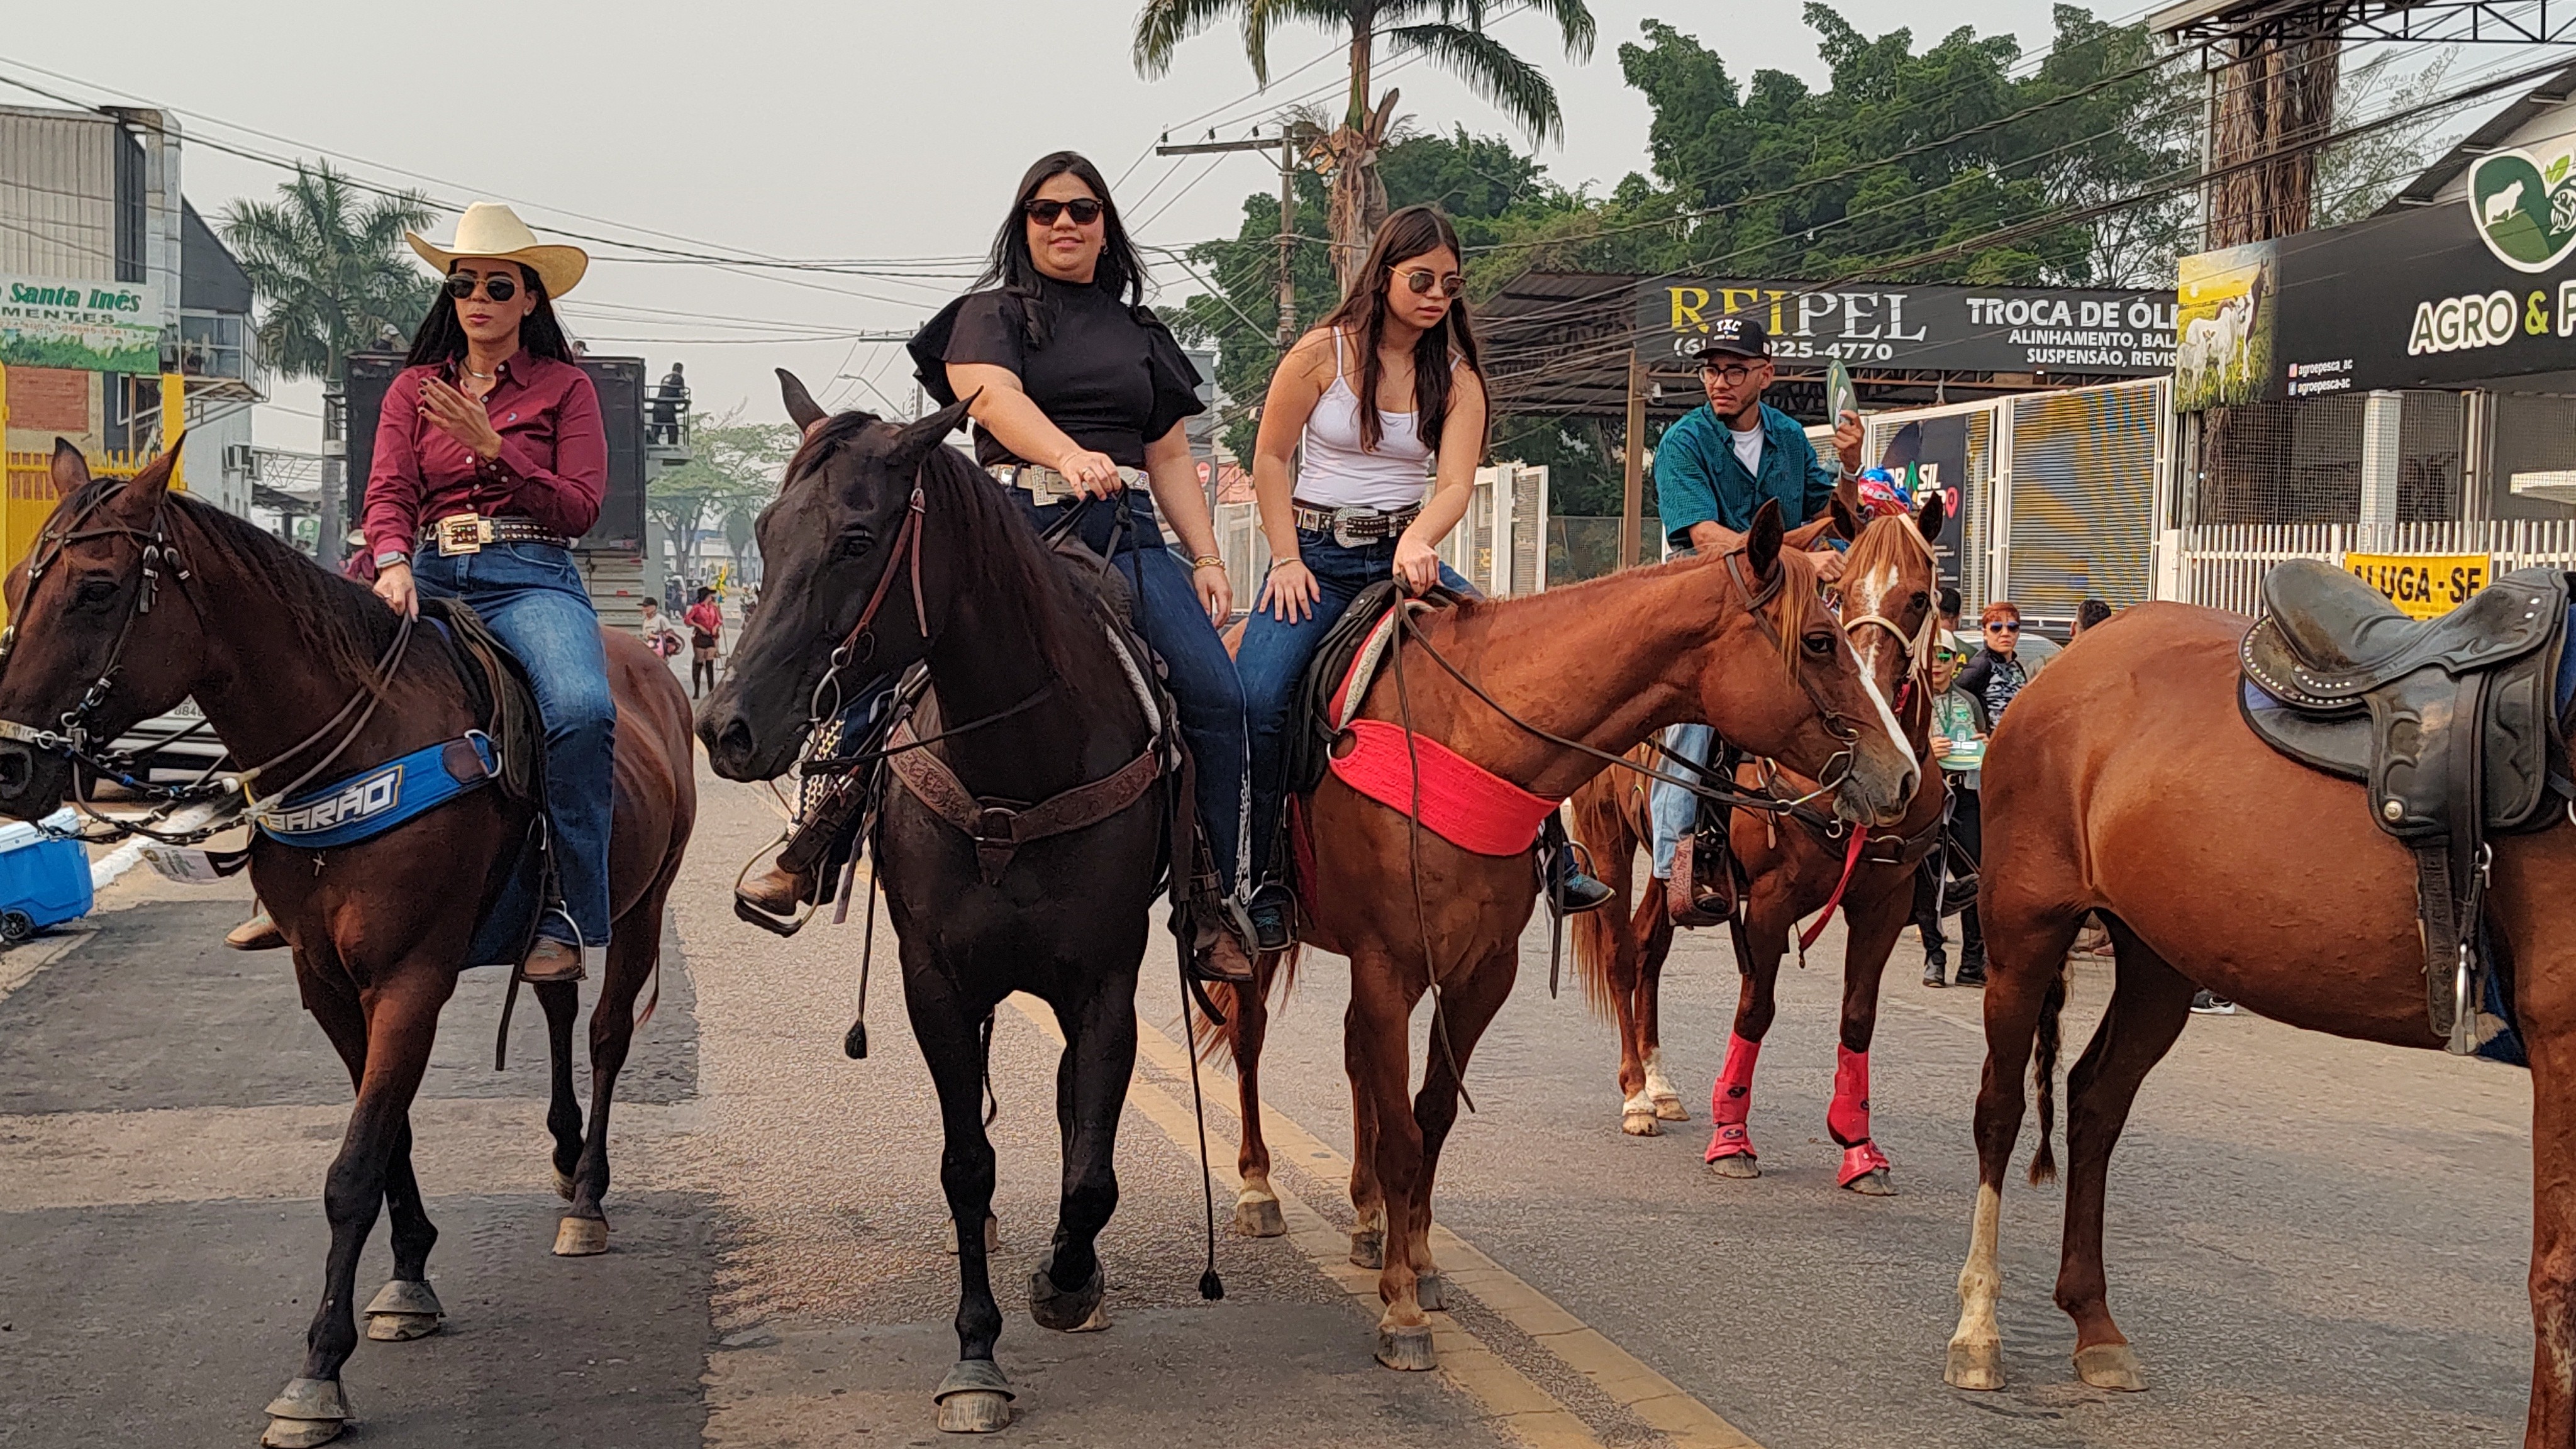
{"x": 375, "y": 800}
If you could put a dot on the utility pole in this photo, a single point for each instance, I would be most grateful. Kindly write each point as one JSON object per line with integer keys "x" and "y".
{"x": 1287, "y": 213}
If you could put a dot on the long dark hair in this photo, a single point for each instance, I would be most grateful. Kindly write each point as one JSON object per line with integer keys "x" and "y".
{"x": 441, "y": 337}
{"x": 1120, "y": 269}
{"x": 1413, "y": 232}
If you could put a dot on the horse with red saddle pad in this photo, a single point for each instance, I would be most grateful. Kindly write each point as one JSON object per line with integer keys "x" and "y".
{"x": 1540, "y": 694}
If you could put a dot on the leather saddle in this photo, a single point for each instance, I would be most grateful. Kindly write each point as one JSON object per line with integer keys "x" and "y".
{"x": 2451, "y": 724}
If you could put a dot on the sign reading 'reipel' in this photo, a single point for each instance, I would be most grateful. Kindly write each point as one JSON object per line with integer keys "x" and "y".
{"x": 1896, "y": 327}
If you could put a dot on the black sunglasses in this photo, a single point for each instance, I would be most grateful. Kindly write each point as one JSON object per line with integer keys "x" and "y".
{"x": 2007, "y": 625}
{"x": 1085, "y": 210}
{"x": 498, "y": 287}
{"x": 1421, "y": 281}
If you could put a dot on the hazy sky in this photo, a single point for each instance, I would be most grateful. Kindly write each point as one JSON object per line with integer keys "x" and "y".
{"x": 890, "y": 129}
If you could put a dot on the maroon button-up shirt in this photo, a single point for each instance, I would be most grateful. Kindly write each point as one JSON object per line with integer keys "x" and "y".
{"x": 552, "y": 469}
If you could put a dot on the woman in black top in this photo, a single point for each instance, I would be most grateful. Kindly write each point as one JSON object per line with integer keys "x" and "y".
{"x": 1080, "y": 392}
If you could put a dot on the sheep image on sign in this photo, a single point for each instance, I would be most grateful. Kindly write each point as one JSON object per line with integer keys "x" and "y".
{"x": 2524, "y": 207}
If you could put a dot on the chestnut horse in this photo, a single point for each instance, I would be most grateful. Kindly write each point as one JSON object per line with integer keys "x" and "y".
{"x": 1793, "y": 868}
{"x": 1598, "y": 666}
{"x": 2123, "y": 781}
{"x": 271, "y": 646}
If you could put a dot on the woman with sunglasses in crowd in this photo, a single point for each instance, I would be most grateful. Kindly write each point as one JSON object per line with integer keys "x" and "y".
{"x": 490, "y": 460}
{"x": 1387, "y": 399}
{"x": 1999, "y": 669}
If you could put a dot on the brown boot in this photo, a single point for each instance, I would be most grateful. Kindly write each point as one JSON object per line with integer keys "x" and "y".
{"x": 552, "y": 963}
{"x": 1219, "y": 953}
{"x": 776, "y": 891}
{"x": 259, "y": 933}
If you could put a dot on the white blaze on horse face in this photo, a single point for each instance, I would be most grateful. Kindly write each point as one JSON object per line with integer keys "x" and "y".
{"x": 1868, "y": 663}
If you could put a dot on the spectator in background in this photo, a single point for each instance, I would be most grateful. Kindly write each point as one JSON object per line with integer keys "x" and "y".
{"x": 658, "y": 634}
{"x": 1950, "y": 610}
{"x": 1958, "y": 720}
{"x": 706, "y": 631}
{"x": 1997, "y": 672}
{"x": 2088, "y": 614}
{"x": 670, "y": 403}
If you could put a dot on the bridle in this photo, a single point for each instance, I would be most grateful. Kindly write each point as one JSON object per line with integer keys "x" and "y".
{"x": 76, "y": 741}
{"x": 907, "y": 541}
{"x": 1916, "y": 646}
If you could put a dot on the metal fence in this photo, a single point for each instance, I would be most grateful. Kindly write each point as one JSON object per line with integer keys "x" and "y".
{"x": 1505, "y": 545}
{"x": 31, "y": 497}
{"x": 2223, "y": 564}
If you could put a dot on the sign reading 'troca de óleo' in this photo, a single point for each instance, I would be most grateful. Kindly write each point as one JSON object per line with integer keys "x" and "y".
{"x": 1898, "y": 326}
{"x": 78, "y": 324}
{"x": 2422, "y": 584}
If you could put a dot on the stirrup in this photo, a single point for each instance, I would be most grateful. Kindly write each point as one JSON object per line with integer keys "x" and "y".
{"x": 1226, "y": 924}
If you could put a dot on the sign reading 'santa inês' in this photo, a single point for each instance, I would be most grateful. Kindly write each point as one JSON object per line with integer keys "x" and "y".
{"x": 82, "y": 325}
{"x": 1887, "y": 326}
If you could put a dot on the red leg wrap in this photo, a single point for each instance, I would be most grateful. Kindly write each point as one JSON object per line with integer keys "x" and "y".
{"x": 1860, "y": 1162}
{"x": 1848, "y": 1118}
{"x": 1731, "y": 1100}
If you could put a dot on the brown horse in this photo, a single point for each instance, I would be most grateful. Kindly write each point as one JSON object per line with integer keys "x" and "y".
{"x": 1793, "y": 868}
{"x": 1602, "y": 665}
{"x": 2124, "y": 781}
{"x": 143, "y": 597}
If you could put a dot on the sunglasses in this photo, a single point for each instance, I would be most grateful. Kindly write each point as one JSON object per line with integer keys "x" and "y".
{"x": 1944, "y": 656}
{"x": 1420, "y": 282}
{"x": 499, "y": 288}
{"x": 1085, "y": 211}
{"x": 2007, "y": 626}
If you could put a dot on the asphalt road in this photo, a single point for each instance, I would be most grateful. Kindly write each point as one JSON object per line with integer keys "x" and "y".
{"x": 2312, "y": 1242}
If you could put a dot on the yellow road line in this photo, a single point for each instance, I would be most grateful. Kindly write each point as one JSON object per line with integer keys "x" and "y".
{"x": 1652, "y": 1399}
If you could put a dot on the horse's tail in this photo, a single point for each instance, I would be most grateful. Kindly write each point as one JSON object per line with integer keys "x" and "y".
{"x": 1602, "y": 827}
{"x": 2043, "y": 1164}
{"x": 1270, "y": 971}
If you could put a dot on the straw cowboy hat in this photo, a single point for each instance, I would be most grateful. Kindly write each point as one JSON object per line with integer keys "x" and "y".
{"x": 489, "y": 229}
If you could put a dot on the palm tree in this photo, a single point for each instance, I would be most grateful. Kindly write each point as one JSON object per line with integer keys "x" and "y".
{"x": 1449, "y": 33}
{"x": 328, "y": 262}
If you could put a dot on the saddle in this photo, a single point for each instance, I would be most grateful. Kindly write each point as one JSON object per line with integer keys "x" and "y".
{"x": 2452, "y": 724}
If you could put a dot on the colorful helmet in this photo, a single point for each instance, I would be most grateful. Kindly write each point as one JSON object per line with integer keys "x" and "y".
{"x": 1881, "y": 493}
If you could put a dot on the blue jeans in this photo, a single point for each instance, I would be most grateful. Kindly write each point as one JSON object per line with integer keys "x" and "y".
{"x": 1201, "y": 677}
{"x": 531, "y": 594}
{"x": 1273, "y": 660}
{"x": 1673, "y": 807}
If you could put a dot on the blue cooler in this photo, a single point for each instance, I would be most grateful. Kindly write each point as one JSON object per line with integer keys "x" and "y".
{"x": 44, "y": 881}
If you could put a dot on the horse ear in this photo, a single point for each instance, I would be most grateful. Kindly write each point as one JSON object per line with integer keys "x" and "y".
{"x": 800, "y": 404}
{"x": 71, "y": 470}
{"x": 1929, "y": 521}
{"x": 922, "y": 436}
{"x": 144, "y": 493}
{"x": 1762, "y": 541}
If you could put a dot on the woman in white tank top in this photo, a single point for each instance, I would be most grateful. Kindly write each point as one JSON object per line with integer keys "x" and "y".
{"x": 1387, "y": 399}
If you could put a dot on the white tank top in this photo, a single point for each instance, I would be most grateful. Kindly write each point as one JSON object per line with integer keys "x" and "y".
{"x": 1337, "y": 472}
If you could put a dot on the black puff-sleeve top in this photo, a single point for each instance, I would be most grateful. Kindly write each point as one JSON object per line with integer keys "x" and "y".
{"x": 1111, "y": 376}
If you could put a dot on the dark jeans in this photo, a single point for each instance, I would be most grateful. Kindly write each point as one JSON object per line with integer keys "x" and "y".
{"x": 1272, "y": 661}
{"x": 1201, "y": 677}
{"x": 1967, "y": 829}
{"x": 531, "y": 594}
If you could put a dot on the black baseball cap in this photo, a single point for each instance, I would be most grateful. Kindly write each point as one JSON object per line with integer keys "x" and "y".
{"x": 1735, "y": 337}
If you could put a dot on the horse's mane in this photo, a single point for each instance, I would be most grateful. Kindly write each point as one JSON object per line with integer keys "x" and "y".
{"x": 1883, "y": 541}
{"x": 338, "y": 622}
{"x": 1007, "y": 561}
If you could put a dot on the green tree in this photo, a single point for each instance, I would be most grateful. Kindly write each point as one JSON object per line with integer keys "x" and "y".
{"x": 2356, "y": 177}
{"x": 732, "y": 474}
{"x": 331, "y": 270}
{"x": 1449, "y": 33}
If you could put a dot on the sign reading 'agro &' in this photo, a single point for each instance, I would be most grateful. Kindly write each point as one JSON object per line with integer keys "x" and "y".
{"x": 1924, "y": 328}
{"x": 83, "y": 326}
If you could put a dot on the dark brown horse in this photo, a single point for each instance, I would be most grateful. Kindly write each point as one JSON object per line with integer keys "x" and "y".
{"x": 272, "y": 647}
{"x": 1603, "y": 665}
{"x": 2123, "y": 781}
{"x": 886, "y": 547}
{"x": 1792, "y": 868}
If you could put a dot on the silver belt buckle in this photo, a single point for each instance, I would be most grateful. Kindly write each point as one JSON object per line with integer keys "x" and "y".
{"x": 1046, "y": 485}
{"x": 1344, "y": 518}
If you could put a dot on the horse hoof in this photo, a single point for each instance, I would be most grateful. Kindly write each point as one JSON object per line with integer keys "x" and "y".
{"x": 1079, "y": 1310}
{"x": 1368, "y": 1248}
{"x": 1670, "y": 1109}
{"x": 402, "y": 1312}
{"x": 2110, "y": 1366}
{"x": 992, "y": 1235}
{"x": 1432, "y": 1292}
{"x": 1740, "y": 1165}
{"x": 563, "y": 1184}
{"x": 1975, "y": 1366}
{"x": 306, "y": 1412}
{"x": 1872, "y": 1183}
{"x": 581, "y": 1237}
{"x": 974, "y": 1398}
{"x": 1259, "y": 1217}
{"x": 1639, "y": 1122}
{"x": 1407, "y": 1349}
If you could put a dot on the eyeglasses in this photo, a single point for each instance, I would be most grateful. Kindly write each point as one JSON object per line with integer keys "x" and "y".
{"x": 498, "y": 287}
{"x": 1732, "y": 374}
{"x": 1420, "y": 282}
{"x": 2008, "y": 626}
{"x": 1085, "y": 210}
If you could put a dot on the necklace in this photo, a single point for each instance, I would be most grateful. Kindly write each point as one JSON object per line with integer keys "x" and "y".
{"x": 470, "y": 372}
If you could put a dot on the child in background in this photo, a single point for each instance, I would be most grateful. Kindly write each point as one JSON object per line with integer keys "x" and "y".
{"x": 1959, "y": 729}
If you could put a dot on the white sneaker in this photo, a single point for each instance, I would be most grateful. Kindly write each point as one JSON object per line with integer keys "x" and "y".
{"x": 2204, "y": 1004}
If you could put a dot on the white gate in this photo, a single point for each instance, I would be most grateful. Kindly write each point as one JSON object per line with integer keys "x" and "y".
{"x": 2222, "y": 564}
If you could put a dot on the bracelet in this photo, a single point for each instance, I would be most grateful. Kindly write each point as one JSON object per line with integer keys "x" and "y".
{"x": 1280, "y": 563}
{"x": 1206, "y": 561}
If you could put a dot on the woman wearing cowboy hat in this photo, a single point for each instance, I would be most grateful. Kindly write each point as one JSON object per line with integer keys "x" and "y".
{"x": 490, "y": 460}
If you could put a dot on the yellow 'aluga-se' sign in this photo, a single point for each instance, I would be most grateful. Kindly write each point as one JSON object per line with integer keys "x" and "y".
{"x": 2422, "y": 584}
